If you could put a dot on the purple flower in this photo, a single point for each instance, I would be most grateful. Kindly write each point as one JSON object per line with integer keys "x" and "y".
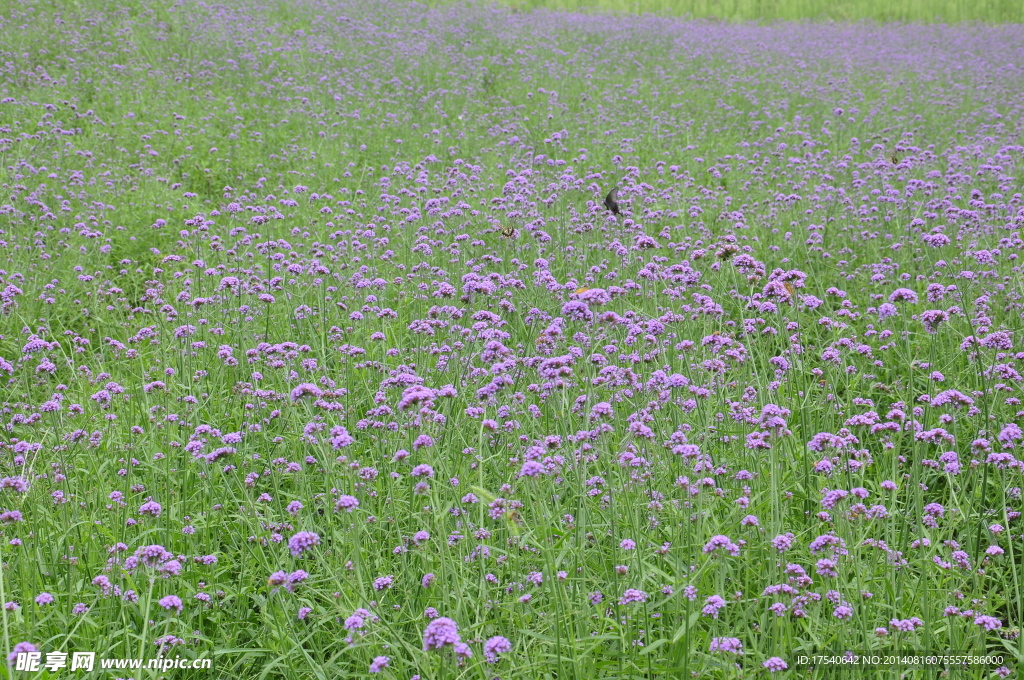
{"x": 775, "y": 664}
{"x": 379, "y": 663}
{"x": 531, "y": 468}
{"x": 340, "y": 438}
{"x": 633, "y": 595}
{"x": 20, "y": 648}
{"x": 306, "y": 389}
{"x": 423, "y": 470}
{"x": 171, "y": 602}
{"x": 44, "y": 599}
{"x": 440, "y": 632}
{"x": 932, "y": 318}
{"x": 903, "y": 294}
{"x": 723, "y": 644}
{"x": 906, "y": 625}
{"x": 415, "y": 395}
{"x": 999, "y": 340}
{"x": 170, "y": 568}
{"x": 1010, "y": 434}
{"x": 843, "y": 612}
{"x": 304, "y": 612}
{"x": 988, "y": 622}
{"x": 17, "y": 484}
{"x": 346, "y": 503}
{"x": 152, "y": 555}
{"x": 724, "y": 542}
{"x": 783, "y": 542}
{"x": 302, "y": 541}
{"x": 495, "y": 646}
{"x": 886, "y": 310}
{"x": 712, "y": 605}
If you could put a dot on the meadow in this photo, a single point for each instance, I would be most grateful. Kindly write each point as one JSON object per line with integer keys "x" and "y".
{"x": 322, "y": 355}
{"x": 929, "y": 11}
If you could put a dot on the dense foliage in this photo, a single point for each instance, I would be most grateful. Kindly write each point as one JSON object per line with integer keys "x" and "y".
{"x": 322, "y": 354}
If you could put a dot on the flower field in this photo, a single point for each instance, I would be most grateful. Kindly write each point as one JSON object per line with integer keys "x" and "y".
{"x": 323, "y": 355}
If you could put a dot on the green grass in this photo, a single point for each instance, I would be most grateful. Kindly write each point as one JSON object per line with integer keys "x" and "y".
{"x": 726, "y": 142}
{"x": 928, "y": 11}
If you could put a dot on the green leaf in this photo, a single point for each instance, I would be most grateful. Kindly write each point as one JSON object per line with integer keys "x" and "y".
{"x": 681, "y": 631}
{"x": 660, "y": 642}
